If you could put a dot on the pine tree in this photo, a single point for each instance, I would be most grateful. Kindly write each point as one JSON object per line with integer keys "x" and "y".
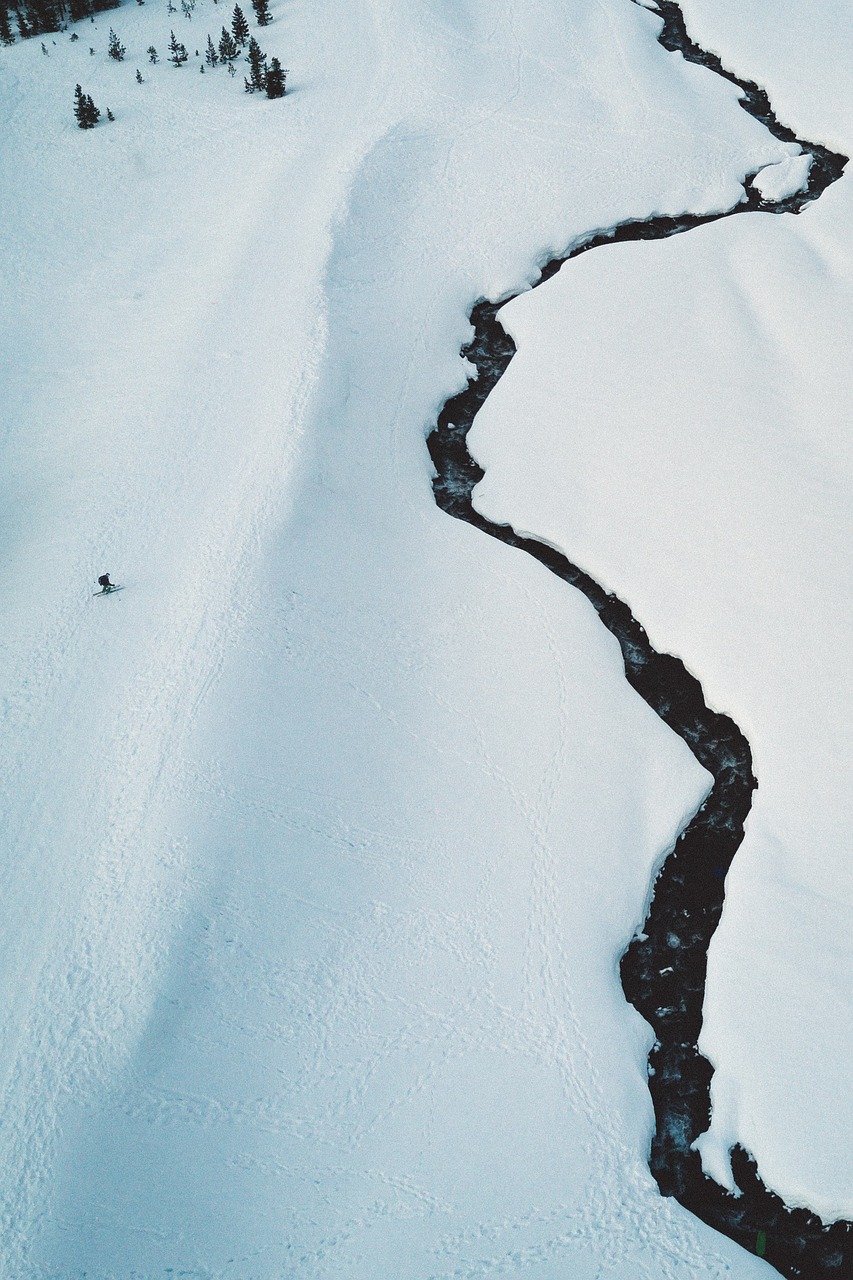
{"x": 115, "y": 48}
{"x": 228, "y": 50}
{"x": 239, "y": 26}
{"x": 44, "y": 15}
{"x": 257, "y": 66}
{"x": 110, "y": 115}
{"x": 177, "y": 51}
{"x": 85, "y": 112}
{"x": 211, "y": 57}
{"x": 6, "y": 36}
{"x": 276, "y": 77}
{"x": 23, "y": 29}
{"x": 138, "y": 76}
{"x": 153, "y": 56}
{"x": 262, "y": 12}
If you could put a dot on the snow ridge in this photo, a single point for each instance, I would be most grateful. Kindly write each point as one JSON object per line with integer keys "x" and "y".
{"x": 663, "y": 969}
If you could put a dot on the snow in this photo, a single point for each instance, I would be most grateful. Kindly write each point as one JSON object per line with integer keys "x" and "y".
{"x": 325, "y": 835}
{"x": 715, "y": 496}
{"x": 778, "y": 181}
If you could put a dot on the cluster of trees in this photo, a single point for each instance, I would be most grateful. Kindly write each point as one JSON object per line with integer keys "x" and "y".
{"x": 86, "y": 113}
{"x": 262, "y": 78}
{"x": 265, "y": 76}
{"x": 269, "y": 79}
{"x": 36, "y": 17}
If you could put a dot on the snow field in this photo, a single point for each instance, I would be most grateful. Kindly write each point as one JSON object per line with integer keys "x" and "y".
{"x": 325, "y": 835}
{"x": 722, "y": 515}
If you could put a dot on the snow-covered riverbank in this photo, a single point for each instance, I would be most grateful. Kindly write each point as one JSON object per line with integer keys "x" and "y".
{"x": 325, "y": 835}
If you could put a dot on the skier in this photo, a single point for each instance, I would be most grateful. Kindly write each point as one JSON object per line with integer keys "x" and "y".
{"x": 104, "y": 581}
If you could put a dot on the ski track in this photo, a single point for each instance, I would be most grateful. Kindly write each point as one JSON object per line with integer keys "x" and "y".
{"x": 109, "y": 941}
{"x": 798, "y": 1243}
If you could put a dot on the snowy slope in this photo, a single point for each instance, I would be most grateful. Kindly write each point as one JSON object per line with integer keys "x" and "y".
{"x": 717, "y": 500}
{"x": 323, "y": 837}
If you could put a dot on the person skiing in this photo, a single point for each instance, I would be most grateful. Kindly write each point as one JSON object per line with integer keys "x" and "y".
{"x": 104, "y": 581}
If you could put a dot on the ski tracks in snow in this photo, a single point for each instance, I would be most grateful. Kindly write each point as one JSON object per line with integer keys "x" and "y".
{"x": 126, "y": 677}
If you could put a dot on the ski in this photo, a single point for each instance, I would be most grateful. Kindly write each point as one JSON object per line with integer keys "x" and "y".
{"x": 107, "y": 591}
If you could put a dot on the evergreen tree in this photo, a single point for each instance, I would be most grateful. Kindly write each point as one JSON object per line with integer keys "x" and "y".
{"x": 262, "y": 12}
{"x": 177, "y": 51}
{"x": 23, "y": 29}
{"x": 257, "y": 67}
{"x": 115, "y": 48}
{"x": 6, "y": 36}
{"x": 211, "y": 57}
{"x": 40, "y": 16}
{"x": 228, "y": 50}
{"x": 239, "y": 26}
{"x": 153, "y": 56}
{"x": 138, "y": 76}
{"x": 85, "y": 112}
{"x": 276, "y": 77}
{"x": 78, "y": 9}
{"x": 110, "y": 115}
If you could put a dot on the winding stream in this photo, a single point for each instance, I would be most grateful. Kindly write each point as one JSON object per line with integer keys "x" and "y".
{"x": 663, "y": 969}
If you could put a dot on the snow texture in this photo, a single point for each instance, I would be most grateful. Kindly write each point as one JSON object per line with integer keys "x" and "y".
{"x": 723, "y": 515}
{"x": 323, "y": 837}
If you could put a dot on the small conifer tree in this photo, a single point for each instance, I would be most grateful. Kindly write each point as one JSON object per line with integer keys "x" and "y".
{"x": 228, "y": 50}
{"x": 85, "y": 112}
{"x": 262, "y": 12}
{"x": 211, "y": 57}
{"x": 257, "y": 78}
{"x": 6, "y": 36}
{"x": 276, "y": 79}
{"x": 115, "y": 48}
{"x": 239, "y": 26}
{"x": 138, "y": 76}
{"x": 153, "y": 56}
{"x": 177, "y": 51}
{"x": 110, "y": 115}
